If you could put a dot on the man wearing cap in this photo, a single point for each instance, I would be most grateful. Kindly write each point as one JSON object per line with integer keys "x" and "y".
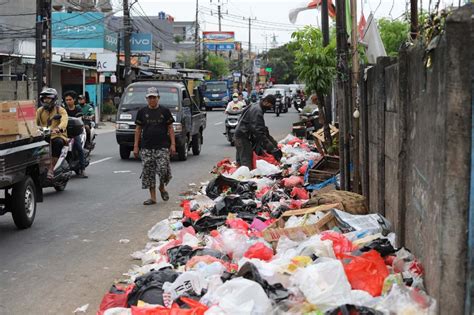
{"x": 252, "y": 134}
{"x": 235, "y": 104}
{"x": 89, "y": 116}
{"x": 154, "y": 134}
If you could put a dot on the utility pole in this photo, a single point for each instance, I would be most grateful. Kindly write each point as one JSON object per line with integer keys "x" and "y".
{"x": 326, "y": 101}
{"x": 413, "y": 19}
{"x": 343, "y": 93}
{"x": 355, "y": 105}
{"x": 197, "y": 47}
{"x": 325, "y": 22}
{"x": 43, "y": 45}
{"x": 219, "y": 15}
{"x": 250, "y": 38}
{"x": 126, "y": 41}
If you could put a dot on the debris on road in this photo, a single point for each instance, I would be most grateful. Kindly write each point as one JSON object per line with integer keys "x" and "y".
{"x": 262, "y": 241}
{"x": 81, "y": 309}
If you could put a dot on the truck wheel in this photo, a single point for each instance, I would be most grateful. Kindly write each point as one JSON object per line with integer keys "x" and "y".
{"x": 24, "y": 203}
{"x": 183, "y": 151}
{"x": 124, "y": 152}
{"x": 197, "y": 142}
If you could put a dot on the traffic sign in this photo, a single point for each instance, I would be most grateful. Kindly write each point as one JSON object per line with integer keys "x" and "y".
{"x": 268, "y": 69}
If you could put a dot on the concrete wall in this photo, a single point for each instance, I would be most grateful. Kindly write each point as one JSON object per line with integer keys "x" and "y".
{"x": 419, "y": 139}
{"x": 13, "y": 90}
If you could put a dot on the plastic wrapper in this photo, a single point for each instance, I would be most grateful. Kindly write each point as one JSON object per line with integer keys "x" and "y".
{"x": 340, "y": 243}
{"x": 114, "y": 298}
{"x": 259, "y": 250}
{"x": 149, "y": 287}
{"x": 263, "y": 168}
{"x": 299, "y": 193}
{"x": 161, "y": 231}
{"x": 190, "y": 282}
{"x": 292, "y": 181}
{"x": 241, "y": 174}
{"x": 118, "y": 311}
{"x": 405, "y": 300}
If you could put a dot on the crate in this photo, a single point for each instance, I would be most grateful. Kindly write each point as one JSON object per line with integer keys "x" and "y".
{"x": 324, "y": 169}
{"x": 277, "y": 229}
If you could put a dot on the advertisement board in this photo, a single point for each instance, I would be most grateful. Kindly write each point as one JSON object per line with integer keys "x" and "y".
{"x": 78, "y": 31}
{"x": 220, "y": 47}
{"x": 139, "y": 42}
{"x": 106, "y": 62}
{"x": 212, "y": 37}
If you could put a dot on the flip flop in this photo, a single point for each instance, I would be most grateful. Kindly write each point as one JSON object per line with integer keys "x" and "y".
{"x": 149, "y": 202}
{"x": 164, "y": 195}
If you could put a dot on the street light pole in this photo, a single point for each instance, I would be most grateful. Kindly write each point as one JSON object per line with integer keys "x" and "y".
{"x": 126, "y": 41}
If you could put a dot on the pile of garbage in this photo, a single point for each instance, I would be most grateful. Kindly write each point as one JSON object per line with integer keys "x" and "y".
{"x": 258, "y": 242}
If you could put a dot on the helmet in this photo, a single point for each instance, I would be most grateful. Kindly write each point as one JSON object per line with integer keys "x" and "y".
{"x": 253, "y": 96}
{"x": 235, "y": 95}
{"x": 52, "y": 94}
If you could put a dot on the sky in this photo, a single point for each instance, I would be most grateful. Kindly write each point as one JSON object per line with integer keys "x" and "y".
{"x": 271, "y": 24}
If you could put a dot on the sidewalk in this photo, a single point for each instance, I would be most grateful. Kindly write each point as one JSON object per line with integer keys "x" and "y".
{"x": 105, "y": 127}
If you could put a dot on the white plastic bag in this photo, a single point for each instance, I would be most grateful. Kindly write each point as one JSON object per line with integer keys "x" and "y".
{"x": 242, "y": 174}
{"x": 188, "y": 282}
{"x": 118, "y": 311}
{"x": 324, "y": 284}
{"x": 161, "y": 231}
{"x": 239, "y": 296}
{"x": 264, "y": 169}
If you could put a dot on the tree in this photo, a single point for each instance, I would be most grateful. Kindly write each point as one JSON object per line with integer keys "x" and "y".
{"x": 217, "y": 65}
{"x": 282, "y": 62}
{"x": 189, "y": 59}
{"x": 394, "y": 34}
{"x": 316, "y": 66}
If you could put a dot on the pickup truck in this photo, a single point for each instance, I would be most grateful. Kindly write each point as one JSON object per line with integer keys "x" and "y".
{"x": 23, "y": 166}
{"x": 189, "y": 123}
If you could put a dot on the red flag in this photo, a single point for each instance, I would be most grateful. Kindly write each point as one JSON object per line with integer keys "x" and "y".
{"x": 362, "y": 24}
{"x": 314, "y": 4}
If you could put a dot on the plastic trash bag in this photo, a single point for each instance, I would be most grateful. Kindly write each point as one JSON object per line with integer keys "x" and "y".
{"x": 234, "y": 204}
{"x": 161, "y": 231}
{"x": 149, "y": 287}
{"x": 292, "y": 181}
{"x": 299, "y": 193}
{"x": 238, "y": 224}
{"x": 189, "y": 307}
{"x": 118, "y": 311}
{"x": 372, "y": 223}
{"x": 114, "y": 298}
{"x": 190, "y": 282}
{"x": 324, "y": 283}
{"x": 246, "y": 190}
{"x": 352, "y": 309}
{"x": 244, "y": 295}
{"x": 259, "y": 250}
{"x": 383, "y": 246}
{"x": 340, "y": 243}
{"x": 406, "y": 300}
{"x": 366, "y": 272}
{"x": 179, "y": 255}
{"x": 264, "y": 168}
{"x": 209, "y": 223}
{"x": 241, "y": 174}
{"x": 268, "y": 158}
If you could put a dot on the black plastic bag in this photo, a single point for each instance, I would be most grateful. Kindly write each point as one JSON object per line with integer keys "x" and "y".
{"x": 275, "y": 292}
{"x": 382, "y": 245}
{"x": 349, "y": 309}
{"x": 209, "y": 223}
{"x": 246, "y": 190}
{"x": 179, "y": 255}
{"x": 234, "y": 204}
{"x": 210, "y": 252}
{"x": 149, "y": 287}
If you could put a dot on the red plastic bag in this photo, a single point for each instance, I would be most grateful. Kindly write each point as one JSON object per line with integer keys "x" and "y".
{"x": 260, "y": 251}
{"x": 303, "y": 169}
{"x": 238, "y": 224}
{"x": 340, "y": 243}
{"x": 266, "y": 157}
{"x": 292, "y": 181}
{"x": 111, "y": 300}
{"x": 170, "y": 244}
{"x": 195, "y": 308}
{"x": 193, "y": 215}
{"x": 299, "y": 193}
{"x": 262, "y": 192}
{"x": 366, "y": 272}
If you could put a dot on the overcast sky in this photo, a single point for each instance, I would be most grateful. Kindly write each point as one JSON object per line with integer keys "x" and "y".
{"x": 271, "y": 15}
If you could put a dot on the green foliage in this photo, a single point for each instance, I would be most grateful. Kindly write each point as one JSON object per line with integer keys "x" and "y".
{"x": 108, "y": 108}
{"x": 394, "y": 34}
{"x": 189, "y": 59}
{"x": 315, "y": 64}
{"x": 282, "y": 62}
{"x": 178, "y": 39}
{"x": 218, "y": 65}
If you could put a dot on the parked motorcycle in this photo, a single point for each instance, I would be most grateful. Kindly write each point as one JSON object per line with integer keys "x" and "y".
{"x": 231, "y": 121}
{"x": 299, "y": 103}
{"x": 311, "y": 121}
{"x": 90, "y": 121}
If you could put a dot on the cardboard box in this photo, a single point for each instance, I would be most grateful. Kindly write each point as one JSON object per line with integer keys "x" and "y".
{"x": 276, "y": 230}
{"x": 10, "y": 138}
{"x": 18, "y": 118}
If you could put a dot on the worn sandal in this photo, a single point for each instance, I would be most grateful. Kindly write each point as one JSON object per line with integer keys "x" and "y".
{"x": 149, "y": 202}
{"x": 164, "y": 195}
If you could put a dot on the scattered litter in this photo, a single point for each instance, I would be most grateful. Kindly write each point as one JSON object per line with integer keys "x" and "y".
{"x": 124, "y": 241}
{"x": 81, "y": 309}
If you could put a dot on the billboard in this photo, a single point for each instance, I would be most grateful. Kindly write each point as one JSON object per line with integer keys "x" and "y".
{"x": 139, "y": 42}
{"x": 78, "y": 31}
{"x": 219, "y": 41}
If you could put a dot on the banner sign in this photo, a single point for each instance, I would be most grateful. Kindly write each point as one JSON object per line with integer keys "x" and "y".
{"x": 218, "y": 37}
{"x": 106, "y": 62}
{"x": 139, "y": 42}
{"x": 220, "y": 47}
{"x": 78, "y": 31}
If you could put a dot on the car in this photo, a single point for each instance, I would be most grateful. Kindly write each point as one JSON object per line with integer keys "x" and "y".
{"x": 273, "y": 91}
{"x": 189, "y": 124}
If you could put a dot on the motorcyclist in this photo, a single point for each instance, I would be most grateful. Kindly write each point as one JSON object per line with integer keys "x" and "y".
{"x": 88, "y": 118}
{"x": 44, "y": 118}
{"x": 73, "y": 110}
{"x": 253, "y": 97}
{"x": 235, "y": 104}
{"x": 251, "y": 134}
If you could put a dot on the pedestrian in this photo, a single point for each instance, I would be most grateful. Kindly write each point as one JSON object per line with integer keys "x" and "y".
{"x": 251, "y": 134}
{"x": 154, "y": 134}
{"x": 73, "y": 110}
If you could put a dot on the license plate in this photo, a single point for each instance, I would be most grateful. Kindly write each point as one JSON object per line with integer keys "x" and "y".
{"x": 125, "y": 116}
{"x": 215, "y": 95}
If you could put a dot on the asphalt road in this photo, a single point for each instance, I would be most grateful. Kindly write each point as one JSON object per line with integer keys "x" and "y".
{"x": 72, "y": 254}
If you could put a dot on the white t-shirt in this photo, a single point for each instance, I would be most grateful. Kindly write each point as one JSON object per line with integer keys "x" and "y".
{"x": 233, "y": 105}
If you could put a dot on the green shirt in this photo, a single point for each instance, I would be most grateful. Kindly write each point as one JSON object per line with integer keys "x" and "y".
{"x": 88, "y": 110}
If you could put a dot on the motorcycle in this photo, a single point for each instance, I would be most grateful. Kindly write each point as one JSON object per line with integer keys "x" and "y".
{"x": 311, "y": 121}
{"x": 231, "y": 121}
{"x": 61, "y": 171}
{"x": 76, "y": 128}
{"x": 278, "y": 105}
{"x": 90, "y": 121}
{"x": 299, "y": 103}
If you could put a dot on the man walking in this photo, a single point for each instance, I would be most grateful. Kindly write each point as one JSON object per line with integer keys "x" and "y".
{"x": 155, "y": 135}
{"x": 252, "y": 134}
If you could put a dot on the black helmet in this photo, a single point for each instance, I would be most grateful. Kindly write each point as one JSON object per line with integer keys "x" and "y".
{"x": 52, "y": 94}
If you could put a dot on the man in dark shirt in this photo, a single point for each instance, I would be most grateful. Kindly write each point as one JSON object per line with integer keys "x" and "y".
{"x": 252, "y": 134}
{"x": 155, "y": 133}
{"x": 72, "y": 110}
